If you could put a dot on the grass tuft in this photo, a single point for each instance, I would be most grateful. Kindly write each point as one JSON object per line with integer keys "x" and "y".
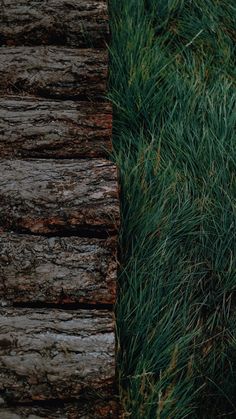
{"x": 173, "y": 89}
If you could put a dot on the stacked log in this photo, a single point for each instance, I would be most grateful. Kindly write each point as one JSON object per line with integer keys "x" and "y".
{"x": 59, "y": 212}
{"x": 32, "y": 127}
{"x": 82, "y": 23}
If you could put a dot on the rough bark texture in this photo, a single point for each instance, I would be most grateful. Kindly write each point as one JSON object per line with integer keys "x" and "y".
{"x": 57, "y": 270}
{"x": 60, "y": 22}
{"x": 89, "y": 409}
{"x": 49, "y": 354}
{"x": 51, "y": 196}
{"x": 43, "y": 128}
{"x": 56, "y": 72}
{"x": 59, "y": 212}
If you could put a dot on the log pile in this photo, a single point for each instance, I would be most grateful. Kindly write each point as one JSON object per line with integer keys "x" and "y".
{"x": 59, "y": 212}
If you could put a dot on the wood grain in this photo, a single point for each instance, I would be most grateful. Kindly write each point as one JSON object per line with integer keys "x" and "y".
{"x": 60, "y": 22}
{"x": 54, "y": 354}
{"x": 57, "y": 270}
{"x": 30, "y": 127}
{"x": 54, "y": 72}
{"x": 66, "y": 196}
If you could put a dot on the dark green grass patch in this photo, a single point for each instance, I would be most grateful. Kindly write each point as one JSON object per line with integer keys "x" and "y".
{"x": 173, "y": 89}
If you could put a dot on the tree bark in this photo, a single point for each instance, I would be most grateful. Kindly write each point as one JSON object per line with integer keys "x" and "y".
{"x": 51, "y": 196}
{"x": 89, "y": 409}
{"x": 50, "y": 354}
{"x": 57, "y": 270}
{"x": 43, "y": 128}
{"x": 61, "y": 22}
{"x": 54, "y": 72}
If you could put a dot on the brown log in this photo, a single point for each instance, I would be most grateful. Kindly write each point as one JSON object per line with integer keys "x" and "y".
{"x": 53, "y": 196}
{"x": 60, "y": 22}
{"x": 31, "y": 127}
{"x": 89, "y": 409}
{"x": 54, "y": 72}
{"x": 57, "y": 270}
{"x": 49, "y": 354}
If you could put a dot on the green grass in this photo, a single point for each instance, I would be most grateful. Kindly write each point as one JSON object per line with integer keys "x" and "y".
{"x": 173, "y": 89}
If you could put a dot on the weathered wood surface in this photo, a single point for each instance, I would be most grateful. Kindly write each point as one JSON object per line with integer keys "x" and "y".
{"x": 49, "y": 354}
{"x": 57, "y": 270}
{"x": 51, "y": 196}
{"x": 89, "y": 409}
{"x": 60, "y": 22}
{"x": 54, "y": 72}
{"x": 30, "y": 127}
{"x": 59, "y": 216}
